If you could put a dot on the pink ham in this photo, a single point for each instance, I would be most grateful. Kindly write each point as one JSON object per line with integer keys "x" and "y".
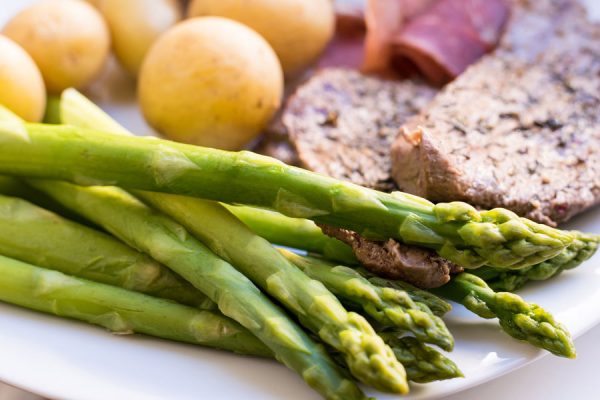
{"x": 385, "y": 20}
{"x": 450, "y": 36}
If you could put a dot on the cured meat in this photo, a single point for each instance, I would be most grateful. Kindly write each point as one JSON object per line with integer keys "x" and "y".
{"x": 450, "y": 36}
{"x": 521, "y": 128}
{"x": 441, "y": 38}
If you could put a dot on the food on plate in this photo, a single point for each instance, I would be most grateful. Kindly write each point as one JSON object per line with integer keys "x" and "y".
{"x": 440, "y": 38}
{"x": 390, "y": 308}
{"x": 384, "y": 19}
{"x": 237, "y": 297}
{"x": 32, "y": 234}
{"x": 416, "y": 265}
{"x": 456, "y": 230}
{"x": 298, "y": 30}
{"x": 521, "y": 320}
{"x": 342, "y": 123}
{"x": 423, "y": 364}
{"x": 581, "y": 249}
{"x": 317, "y": 308}
{"x": 222, "y": 257}
{"x": 224, "y": 83}
{"x": 23, "y": 89}
{"x": 520, "y": 129}
{"x": 68, "y": 40}
{"x": 120, "y": 310}
{"x": 135, "y": 24}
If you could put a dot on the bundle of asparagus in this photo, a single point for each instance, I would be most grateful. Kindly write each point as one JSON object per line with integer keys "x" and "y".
{"x": 210, "y": 261}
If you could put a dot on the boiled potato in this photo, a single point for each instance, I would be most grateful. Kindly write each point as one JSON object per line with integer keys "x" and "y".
{"x": 298, "y": 30}
{"x": 68, "y": 40}
{"x": 135, "y": 25}
{"x": 21, "y": 85}
{"x": 210, "y": 81}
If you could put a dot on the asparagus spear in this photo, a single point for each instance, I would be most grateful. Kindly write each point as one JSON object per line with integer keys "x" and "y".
{"x": 423, "y": 364}
{"x": 168, "y": 242}
{"x": 34, "y": 235}
{"x": 297, "y": 233}
{"x": 366, "y": 355}
{"x": 582, "y": 248}
{"x": 521, "y": 320}
{"x": 434, "y": 303}
{"x": 389, "y": 307}
{"x": 120, "y": 310}
{"x": 457, "y": 231}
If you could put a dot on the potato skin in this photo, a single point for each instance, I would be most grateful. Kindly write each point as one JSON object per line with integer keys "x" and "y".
{"x": 212, "y": 82}
{"x": 68, "y": 40}
{"x": 298, "y": 30}
{"x": 21, "y": 84}
{"x": 135, "y": 24}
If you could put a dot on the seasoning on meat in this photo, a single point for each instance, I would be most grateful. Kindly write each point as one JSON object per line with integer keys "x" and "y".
{"x": 521, "y": 128}
{"x": 391, "y": 259}
{"x": 343, "y": 123}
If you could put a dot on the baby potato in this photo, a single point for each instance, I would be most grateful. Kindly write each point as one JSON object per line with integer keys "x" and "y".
{"x": 298, "y": 30}
{"x": 68, "y": 40}
{"x": 21, "y": 85}
{"x": 210, "y": 81}
{"x": 135, "y": 24}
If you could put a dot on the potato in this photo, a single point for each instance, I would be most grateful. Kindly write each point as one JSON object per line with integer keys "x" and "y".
{"x": 210, "y": 81}
{"x": 68, "y": 40}
{"x": 21, "y": 85}
{"x": 135, "y": 24}
{"x": 298, "y": 30}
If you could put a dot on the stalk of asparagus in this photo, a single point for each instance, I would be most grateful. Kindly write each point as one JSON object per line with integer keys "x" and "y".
{"x": 297, "y": 233}
{"x": 457, "y": 231}
{"x": 120, "y": 310}
{"x": 521, "y": 320}
{"x": 34, "y": 235}
{"x": 388, "y": 307}
{"x": 366, "y": 355}
{"x": 168, "y": 242}
{"x": 40, "y": 237}
{"x": 236, "y": 296}
{"x": 582, "y": 248}
{"x": 423, "y": 364}
{"x": 434, "y": 303}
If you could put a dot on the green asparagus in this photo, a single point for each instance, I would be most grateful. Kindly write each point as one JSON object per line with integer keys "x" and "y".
{"x": 521, "y": 320}
{"x": 366, "y": 355}
{"x": 388, "y": 307}
{"x": 582, "y": 248}
{"x": 236, "y": 296}
{"x": 34, "y": 235}
{"x": 168, "y": 242}
{"x": 120, "y": 310}
{"x": 457, "y": 231}
{"x": 298, "y": 233}
{"x": 423, "y": 364}
{"x": 437, "y": 305}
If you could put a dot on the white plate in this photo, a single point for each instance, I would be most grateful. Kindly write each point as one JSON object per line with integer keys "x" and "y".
{"x": 65, "y": 359}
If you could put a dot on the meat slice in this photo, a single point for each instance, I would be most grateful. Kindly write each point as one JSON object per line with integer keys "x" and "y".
{"x": 343, "y": 123}
{"x": 450, "y": 36}
{"x": 520, "y": 129}
{"x": 390, "y": 259}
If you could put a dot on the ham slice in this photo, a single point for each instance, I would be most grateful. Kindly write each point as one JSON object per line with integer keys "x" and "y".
{"x": 385, "y": 20}
{"x": 450, "y": 36}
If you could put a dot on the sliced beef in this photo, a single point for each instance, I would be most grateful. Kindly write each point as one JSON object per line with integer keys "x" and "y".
{"x": 390, "y": 259}
{"x": 343, "y": 123}
{"x": 520, "y": 129}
